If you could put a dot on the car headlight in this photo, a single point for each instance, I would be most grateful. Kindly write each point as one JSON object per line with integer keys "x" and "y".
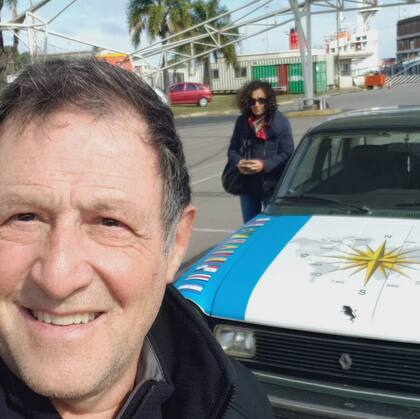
{"x": 236, "y": 341}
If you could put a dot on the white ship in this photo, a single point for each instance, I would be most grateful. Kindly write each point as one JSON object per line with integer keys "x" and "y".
{"x": 358, "y": 52}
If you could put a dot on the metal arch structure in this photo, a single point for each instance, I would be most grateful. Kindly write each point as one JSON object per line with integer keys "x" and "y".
{"x": 210, "y": 38}
{"x": 249, "y": 15}
{"x": 20, "y": 23}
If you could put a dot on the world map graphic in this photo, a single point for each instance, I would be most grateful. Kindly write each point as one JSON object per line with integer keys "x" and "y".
{"x": 357, "y": 254}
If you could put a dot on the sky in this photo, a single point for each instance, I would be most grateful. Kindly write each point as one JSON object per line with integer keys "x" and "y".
{"x": 104, "y": 22}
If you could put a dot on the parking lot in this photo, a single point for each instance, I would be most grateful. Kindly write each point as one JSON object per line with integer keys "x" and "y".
{"x": 206, "y": 138}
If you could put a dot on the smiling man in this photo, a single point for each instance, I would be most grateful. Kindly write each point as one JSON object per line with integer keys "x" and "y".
{"x": 95, "y": 218}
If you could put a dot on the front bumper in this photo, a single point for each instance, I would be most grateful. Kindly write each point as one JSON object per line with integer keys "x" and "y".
{"x": 294, "y": 398}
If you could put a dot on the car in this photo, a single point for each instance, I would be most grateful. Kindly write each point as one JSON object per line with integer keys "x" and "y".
{"x": 190, "y": 93}
{"x": 319, "y": 294}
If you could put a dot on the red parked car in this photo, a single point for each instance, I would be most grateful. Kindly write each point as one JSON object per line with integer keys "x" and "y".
{"x": 190, "y": 93}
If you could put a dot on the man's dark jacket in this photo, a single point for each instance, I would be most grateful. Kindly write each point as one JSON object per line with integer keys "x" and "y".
{"x": 275, "y": 152}
{"x": 200, "y": 381}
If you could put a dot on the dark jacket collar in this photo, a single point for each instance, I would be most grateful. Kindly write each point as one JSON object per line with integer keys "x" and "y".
{"x": 194, "y": 362}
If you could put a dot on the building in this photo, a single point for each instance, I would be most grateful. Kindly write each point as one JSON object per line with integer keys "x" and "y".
{"x": 190, "y": 71}
{"x": 408, "y": 39}
{"x": 283, "y": 70}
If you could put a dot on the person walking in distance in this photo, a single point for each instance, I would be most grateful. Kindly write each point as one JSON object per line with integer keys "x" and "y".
{"x": 268, "y": 137}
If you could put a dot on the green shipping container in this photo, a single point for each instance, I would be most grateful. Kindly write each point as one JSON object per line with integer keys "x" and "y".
{"x": 265, "y": 73}
{"x": 295, "y": 78}
{"x": 320, "y": 77}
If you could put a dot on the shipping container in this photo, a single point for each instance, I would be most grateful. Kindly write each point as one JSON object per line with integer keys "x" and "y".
{"x": 295, "y": 78}
{"x": 320, "y": 77}
{"x": 266, "y": 73}
{"x": 224, "y": 78}
{"x": 283, "y": 78}
{"x": 375, "y": 80}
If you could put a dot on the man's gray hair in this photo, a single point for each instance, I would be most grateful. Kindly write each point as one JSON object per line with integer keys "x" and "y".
{"x": 99, "y": 88}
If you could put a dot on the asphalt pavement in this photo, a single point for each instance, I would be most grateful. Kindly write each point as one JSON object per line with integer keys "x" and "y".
{"x": 205, "y": 140}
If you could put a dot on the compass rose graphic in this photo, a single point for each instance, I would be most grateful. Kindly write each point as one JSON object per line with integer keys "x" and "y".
{"x": 380, "y": 259}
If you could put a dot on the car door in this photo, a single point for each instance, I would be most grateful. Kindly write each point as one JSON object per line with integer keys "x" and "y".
{"x": 176, "y": 93}
{"x": 191, "y": 93}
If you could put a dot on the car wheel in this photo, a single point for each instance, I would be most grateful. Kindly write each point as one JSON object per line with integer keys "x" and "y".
{"x": 203, "y": 102}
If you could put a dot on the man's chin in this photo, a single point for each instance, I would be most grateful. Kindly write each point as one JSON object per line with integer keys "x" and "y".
{"x": 64, "y": 388}
{"x": 63, "y": 381}
{"x": 71, "y": 375}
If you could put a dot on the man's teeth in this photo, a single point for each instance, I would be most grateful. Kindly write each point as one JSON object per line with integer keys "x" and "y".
{"x": 64, "y": 320}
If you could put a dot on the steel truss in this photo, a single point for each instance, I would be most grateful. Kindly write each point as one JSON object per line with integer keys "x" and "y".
{"x": 206, "y": 35}
{"x": 249, "y": 16}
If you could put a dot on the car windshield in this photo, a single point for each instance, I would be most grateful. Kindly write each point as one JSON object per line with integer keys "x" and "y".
{"x": 363, "y": 172}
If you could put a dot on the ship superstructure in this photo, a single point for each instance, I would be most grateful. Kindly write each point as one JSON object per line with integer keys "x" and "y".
{"x": 355, "y": 49}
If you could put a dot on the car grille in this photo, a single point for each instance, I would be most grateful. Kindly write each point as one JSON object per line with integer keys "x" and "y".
{"x": 364, "y": 362}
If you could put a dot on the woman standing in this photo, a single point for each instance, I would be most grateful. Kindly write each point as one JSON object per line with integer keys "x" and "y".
{"x": 270, "y": 137}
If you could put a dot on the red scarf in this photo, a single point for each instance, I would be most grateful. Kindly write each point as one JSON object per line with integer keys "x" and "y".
{"x": 260, "y": 127}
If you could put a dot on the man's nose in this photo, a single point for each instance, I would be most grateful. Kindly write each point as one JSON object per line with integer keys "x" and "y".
{"x": 62, "y": 268}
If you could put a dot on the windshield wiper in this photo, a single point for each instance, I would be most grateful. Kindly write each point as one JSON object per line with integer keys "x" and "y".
{"x": 408, "y": 204}
{"x": 317, "y": 198}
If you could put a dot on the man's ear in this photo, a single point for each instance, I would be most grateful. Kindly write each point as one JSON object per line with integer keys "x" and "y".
{"x": 181, "y": 242}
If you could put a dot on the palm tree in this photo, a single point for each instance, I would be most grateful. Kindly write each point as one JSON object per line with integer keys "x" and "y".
{"x": 3, "y": 53}
{"x": 203, "y": 10}
{"x": 13, "y": 5}
{"x": 159, "y": 19}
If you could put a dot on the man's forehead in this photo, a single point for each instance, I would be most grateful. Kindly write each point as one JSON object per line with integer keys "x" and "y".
{"x": 106, "y": 148}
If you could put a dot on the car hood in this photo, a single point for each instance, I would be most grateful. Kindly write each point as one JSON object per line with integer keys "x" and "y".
{"x": 357, "y": 276}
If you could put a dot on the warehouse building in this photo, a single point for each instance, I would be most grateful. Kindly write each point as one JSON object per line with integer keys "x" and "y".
{"x": 283, "y": 70}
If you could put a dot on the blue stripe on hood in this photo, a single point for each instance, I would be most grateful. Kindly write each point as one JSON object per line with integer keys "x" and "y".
{"x": 262, "y": 245}
{"x": 234, "y": 292}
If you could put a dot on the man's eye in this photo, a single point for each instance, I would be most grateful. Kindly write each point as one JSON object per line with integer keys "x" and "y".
{"x": 25, "y": 217}
{"x": 110, "y": 222}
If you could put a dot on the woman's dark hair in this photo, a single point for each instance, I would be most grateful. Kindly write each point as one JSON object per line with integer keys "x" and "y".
{"x": 244, "y": 95}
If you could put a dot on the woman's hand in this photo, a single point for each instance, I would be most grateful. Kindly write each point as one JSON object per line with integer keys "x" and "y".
{"x": 250, "y": 167}
{"x": 243, "y": 167}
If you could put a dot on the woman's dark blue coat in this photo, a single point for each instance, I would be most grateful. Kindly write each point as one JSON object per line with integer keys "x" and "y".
{"x": 275, "y": 152}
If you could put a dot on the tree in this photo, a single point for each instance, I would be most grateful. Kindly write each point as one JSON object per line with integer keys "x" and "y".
{"x": 203, "y": 10}
{"x": 159, "y": 19}
{"x": 4, "y": 54}
{"x": 13, "y": 5}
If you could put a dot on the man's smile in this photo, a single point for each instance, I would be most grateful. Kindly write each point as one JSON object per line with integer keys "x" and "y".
{"x": 64, "y": 320}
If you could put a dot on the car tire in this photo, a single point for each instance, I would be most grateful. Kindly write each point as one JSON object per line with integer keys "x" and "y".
{"x": 203, "y": 102}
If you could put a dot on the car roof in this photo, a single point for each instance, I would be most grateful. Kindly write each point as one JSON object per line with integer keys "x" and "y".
{"x": 404, "y": 117}
{"x": 184, "y": 82}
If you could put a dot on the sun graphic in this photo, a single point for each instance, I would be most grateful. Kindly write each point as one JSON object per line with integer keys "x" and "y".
{"x": 381, "y": 260}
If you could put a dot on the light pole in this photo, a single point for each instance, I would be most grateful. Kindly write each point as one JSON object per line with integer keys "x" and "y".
{"x": 266, "y": 34}
{"x": 338, "y": 45}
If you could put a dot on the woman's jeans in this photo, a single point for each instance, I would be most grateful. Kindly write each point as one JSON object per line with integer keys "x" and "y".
{"x": 251, "y": 206}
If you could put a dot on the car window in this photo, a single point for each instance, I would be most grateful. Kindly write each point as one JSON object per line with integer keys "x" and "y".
{"x": 378, "y": 168}
{"x": 333, "y": 160}
{"x": 323, "y": 159}
{"x": 191, "y": 86}
{"x": 178, "y": 88}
